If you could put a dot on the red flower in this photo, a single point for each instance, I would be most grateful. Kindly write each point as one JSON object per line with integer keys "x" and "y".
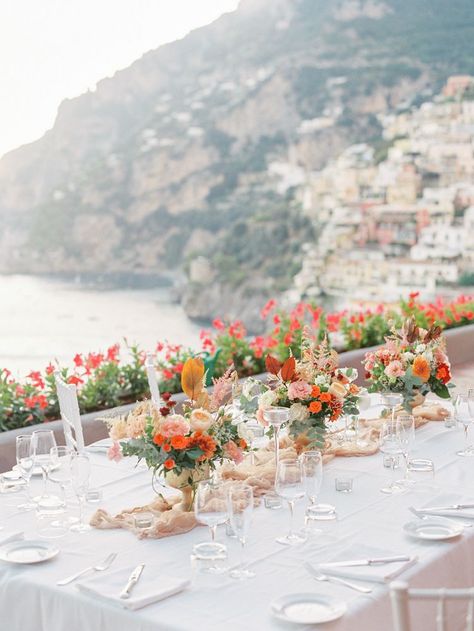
{"x": 164, "y": 411}
{"x": 158, "y": 439}
{"x": 78, "y": 360}
{"x": 36, "y": 378}
{"x": 218, "y": 324}
{"x": 443, "y": 373}
{"x": 288, "y": 339}
{"x": 112, "y": 352}
{"x": 50, "y": 369}
{"x": 166, "y": 447}
{"x": 168, "y": 464}
{"x": 267, "y": 308}
{"x": 166, "y": 396}
{"x": 74, "y": 379}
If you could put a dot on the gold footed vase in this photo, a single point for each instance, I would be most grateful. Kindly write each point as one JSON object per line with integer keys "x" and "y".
{"x": 186, "y": 482}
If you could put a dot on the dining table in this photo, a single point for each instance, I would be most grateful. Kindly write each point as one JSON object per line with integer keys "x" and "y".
{"x": 369, "y": 524}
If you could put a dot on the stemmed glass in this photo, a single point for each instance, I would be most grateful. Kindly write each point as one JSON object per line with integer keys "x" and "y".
{"x": 42, "y": 441}
{"x": 80, "y": 475}
{"x": 464, "y": 412}
{"x": 210, "y": 508}
{"x": 61, "y": 468}
{"x": 276, "y": 416}
{"x": 363, "y": 404}
{"x": 312, "y": 462}
{"x": 240, "y": 506}
{"x": 391, "y": 400}
{"x": 289, "y": 485}
{"x": 406, "y": 430}
{"x": 24, "y": 461}
{"x": 390, "y": 444}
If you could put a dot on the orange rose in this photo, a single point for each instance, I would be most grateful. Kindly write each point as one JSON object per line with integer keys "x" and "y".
{"x": 158, "y": 439}
{"x": 168, "y": 464}
{"x": 179, "y": 442}
{"x": 167, "y": 447}
{"x": 325, "y": 397}
{"x": 353, "y": 389}
{"x": 315, "y": 391}
{"x": 421, "y": 368}
{"x": 443, "y": 373}
{"x": 242, "y": 444}
{"x": 315, "y": 407}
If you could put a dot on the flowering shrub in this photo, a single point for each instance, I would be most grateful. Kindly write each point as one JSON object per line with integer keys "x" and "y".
{"x": 117, "y": 375}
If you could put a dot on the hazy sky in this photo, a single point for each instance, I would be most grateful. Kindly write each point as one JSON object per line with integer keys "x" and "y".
{"x": 53, "y": 49}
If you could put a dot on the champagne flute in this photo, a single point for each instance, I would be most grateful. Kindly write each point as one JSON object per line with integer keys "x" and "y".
{"x": 42, "y": 441}
{"x": 276, "y": 416}
{"x": 289, "y": 485}
{"x": 80, "y": 475}
{"x": 406, "y": 429}
{"x": 240, "y": 505}
{"x": 389, "y": 443}
{"x": 464, "y": 412}
{"x": 24, "y": 461}
{"x": 210, "y": 508}
{"x": 312, "y": 462}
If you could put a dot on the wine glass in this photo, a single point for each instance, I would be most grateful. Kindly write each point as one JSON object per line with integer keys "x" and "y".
{"x": 276, "y": 416}
{"x": 61, "y": 468}
{"x": 240, "y": 506}
{"x": 391, "y": 400}
{"x": 210, "y": 508}
{"x": 364, "y": 403}
{"x": 80, "y": 475}
{"x": 289, "y": 485}
{"x": 24, "y": 461}
{"x": 42, "y": 441}
{"x": 464, "y": 412}
{"x": 406, "y": 430}
{"x": 312, "y": 462}
{"x": 389, "y": 443}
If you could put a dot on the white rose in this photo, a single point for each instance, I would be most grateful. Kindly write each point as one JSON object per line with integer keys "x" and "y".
{"x": 298, "y": 412}
{"x": 409, "y": 356}
{"x": 337, "y": 389}
{"x": 320, "y": 380}
{"x": 420, "y": 348}
{"x": 267, "y": 399}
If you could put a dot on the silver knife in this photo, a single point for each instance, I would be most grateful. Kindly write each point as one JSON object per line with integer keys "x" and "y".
{"x": 451, "y": 507}
{"x": 132, "y": 581}
{"x": 362, "y": 562}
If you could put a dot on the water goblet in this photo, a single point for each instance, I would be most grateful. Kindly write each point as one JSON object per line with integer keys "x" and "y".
{"x": 80, "y": 476}
{"x": 24, "y": 461}
{"x": 240, "y": 505}
{"x": 389, "y": 443}
{"x": 210, "y": 508}
{"x": 42, "y": 441}
{"x": 289, "y": 485}
{"x": 464, "y": 412}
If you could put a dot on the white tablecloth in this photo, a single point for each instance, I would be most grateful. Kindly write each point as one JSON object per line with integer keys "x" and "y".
{"x": 31, "y": 601}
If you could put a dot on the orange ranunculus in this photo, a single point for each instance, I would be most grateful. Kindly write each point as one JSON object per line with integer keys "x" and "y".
{"x": 421, "y": 368}
{"x": 353, "y": 388}
{"x": 158, "y": 439}
{"x": 242, "y": 443}
{"x": 315, "y": 407}
{"x": 166, "y": 447}
{"x": 205, "y": 443}
{"x": 325, "y": 397}
{"x": 443, "y": 373}
{"x": 315, "y": 391}
{"x": 179, "y": 442}
{"x": 168, "y": 464}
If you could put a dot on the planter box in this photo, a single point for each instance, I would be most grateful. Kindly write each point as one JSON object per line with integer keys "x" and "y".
{"x": 460, "y": 345}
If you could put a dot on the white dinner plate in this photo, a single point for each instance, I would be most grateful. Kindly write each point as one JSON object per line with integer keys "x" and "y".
{"x": 37, "y": 470}
{"x": 433, "y": 529}
{"x": 309, "y": 608}
{"x": 27, "y": 551}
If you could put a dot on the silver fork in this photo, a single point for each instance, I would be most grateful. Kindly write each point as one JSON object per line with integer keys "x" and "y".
{"x": 100, "y": 567}
{"x": 421, "y": 515}
{"x": 335, "y": 579}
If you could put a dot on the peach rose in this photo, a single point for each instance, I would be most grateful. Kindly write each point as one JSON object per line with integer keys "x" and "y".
{"x": 337, "y": 389}
{"x": 201, "y": 420}
{"x": 234, "y": 452}
{"x": 299, "y": 390}
{"x": 174, "y": 425}
{"x": 394, "y": 369}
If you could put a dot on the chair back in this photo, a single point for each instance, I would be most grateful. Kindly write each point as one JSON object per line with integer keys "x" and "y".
{"x": 152, "y": 380}
{"x": 401, "y": 595}
{"x": 70, "y": 414}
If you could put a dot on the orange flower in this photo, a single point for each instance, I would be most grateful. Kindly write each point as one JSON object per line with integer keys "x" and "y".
{"x": 315, "y": 407}
{"x": 179, "y": 442}
{"x": 205, "y": 443}
{"x": 421, "y": 368}
{"x": 443, "y": 373}
{"x": 315, "y": 391}
{"x": 158, "y": 439}
{"x": 353, "y": 388}
{"x": 166, "y": 447}
{"x": 168, "y": 464}
{"x": 325, "y": 397}
{"x": 242, "y": 444}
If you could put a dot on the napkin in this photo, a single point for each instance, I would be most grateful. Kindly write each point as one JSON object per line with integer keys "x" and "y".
{"x": 14, "y": 536}
{"x": 373, "y": 573}
{"x": 151, "y": 587}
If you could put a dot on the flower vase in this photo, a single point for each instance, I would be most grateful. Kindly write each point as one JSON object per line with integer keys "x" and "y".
{"x": 186, "y": 482}
{"x": 416, "y": 399}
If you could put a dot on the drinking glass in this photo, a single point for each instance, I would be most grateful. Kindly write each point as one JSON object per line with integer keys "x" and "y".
{"x": 363, "y": 404}
{"x": 210, "y": 508}
{"x": 390, "y": 445}
{"x": 42, "y": 441}
{"x": 312, "y": 462}
{"x": 24, "y": 461}
{"x": 464, "y": 411}
{"x": 289, "y": 485}
{"x": 406, "y": 430}
{"x": 240, "y": 507}
{"x": 80, "y": 475}
{"x": 61, "y": 468}
{"x": 391, "y": 400}
{"x": 276, "y": 416}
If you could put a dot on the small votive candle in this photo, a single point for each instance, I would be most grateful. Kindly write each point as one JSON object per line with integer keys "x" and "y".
{"x": 450, "y": 421}
{"x": 272, "y": 501}
{"x": 344, "y": 484}
{"x": 391, "y": 461}
{"x": 143, "y": 520}
{"x": 94, "y": 495}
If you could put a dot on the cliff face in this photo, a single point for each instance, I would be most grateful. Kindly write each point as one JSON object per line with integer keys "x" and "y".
{"x": 168, "y": 160}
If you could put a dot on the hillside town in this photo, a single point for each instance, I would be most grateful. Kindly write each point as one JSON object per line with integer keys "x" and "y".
{"x": 395, "y": 217}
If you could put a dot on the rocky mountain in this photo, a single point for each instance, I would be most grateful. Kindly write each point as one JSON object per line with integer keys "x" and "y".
{"x": 171, "y": 166}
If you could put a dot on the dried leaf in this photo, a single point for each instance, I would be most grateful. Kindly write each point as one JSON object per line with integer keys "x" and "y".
{"x": 272, "y": 365}
{"x": 192, "y": 377}
{"x": 288, "y": 369}
{"x": 433, "y": 333}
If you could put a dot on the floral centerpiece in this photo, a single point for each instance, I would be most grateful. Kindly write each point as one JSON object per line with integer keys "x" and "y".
{"x": 412, "y": 362}
{"x": 314, "y": 389}
{"x": 183, "y": 447}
